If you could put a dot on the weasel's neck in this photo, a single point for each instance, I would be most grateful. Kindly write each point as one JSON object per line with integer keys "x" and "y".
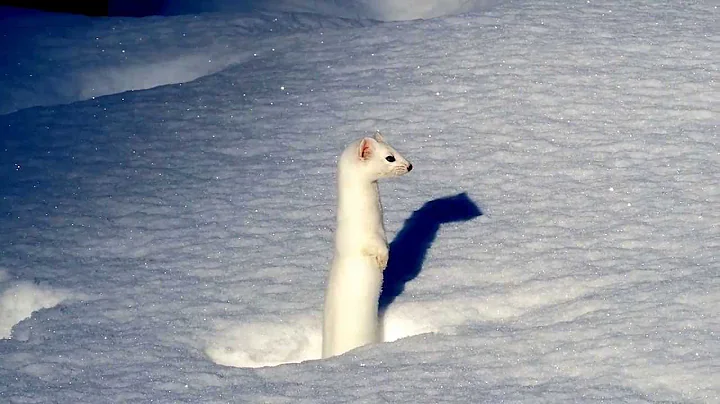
{"x": 359, "y": 204}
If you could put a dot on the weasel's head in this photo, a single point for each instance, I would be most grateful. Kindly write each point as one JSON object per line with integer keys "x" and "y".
{"x": 377, "y": 159}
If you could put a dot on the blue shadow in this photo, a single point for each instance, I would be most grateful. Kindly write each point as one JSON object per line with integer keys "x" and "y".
{"x": 411, "y": 244}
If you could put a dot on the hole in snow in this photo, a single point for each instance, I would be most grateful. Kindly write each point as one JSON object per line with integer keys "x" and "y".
{"x": 260, "y": 344}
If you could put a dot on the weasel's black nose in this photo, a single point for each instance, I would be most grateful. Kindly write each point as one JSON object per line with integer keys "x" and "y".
{"x": 409, "y": 167}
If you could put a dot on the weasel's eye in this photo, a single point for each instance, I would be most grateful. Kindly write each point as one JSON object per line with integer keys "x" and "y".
{"x": 390, "y": 158}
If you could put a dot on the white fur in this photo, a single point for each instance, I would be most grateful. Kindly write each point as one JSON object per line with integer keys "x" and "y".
{"x": 361, "y": 250}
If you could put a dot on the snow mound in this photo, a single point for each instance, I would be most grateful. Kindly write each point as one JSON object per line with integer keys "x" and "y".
{"x": 19, "y": 300}
{"x": 383, "y": 10}
{"x": 115, "y": 55}
{"x": 181, "y": 69}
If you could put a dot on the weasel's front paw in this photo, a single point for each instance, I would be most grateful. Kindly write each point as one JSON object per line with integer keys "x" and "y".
{"x": 382, "y": 259}
{"x": 379, "y": 253}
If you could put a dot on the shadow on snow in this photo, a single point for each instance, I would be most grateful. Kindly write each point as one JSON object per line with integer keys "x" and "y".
{"x": 410, "y": 246}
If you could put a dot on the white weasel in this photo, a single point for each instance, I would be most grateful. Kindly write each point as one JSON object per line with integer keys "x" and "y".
{"x": 361, "y": 249}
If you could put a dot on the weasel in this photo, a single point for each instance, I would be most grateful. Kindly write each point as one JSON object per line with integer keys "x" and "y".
{"x": 361, "y": 249}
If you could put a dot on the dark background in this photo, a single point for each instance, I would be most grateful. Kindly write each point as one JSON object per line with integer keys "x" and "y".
{"x": 129, "y": 8}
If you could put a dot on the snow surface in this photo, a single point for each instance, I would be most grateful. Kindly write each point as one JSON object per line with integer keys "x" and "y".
{"x": 556, "y": 241}
{"x": 383, "y": 10}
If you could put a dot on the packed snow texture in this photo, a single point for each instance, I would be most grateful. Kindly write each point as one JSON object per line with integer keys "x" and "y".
{"x": 556, "y": 241}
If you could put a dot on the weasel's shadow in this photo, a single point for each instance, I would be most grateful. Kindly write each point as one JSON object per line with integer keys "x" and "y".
{"x": 410, "y": 246}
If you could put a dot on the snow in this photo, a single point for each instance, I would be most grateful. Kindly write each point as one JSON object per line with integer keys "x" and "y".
{"x": 167, "y": 222}
{"x": 19, "y": 300}
{"x": 382, "y": 10}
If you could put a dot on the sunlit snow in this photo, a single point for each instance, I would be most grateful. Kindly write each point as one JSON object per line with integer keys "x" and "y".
{"x": 168, "y": 194}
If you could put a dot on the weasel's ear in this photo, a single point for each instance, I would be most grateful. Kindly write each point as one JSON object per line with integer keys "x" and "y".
{"x": 379, "y": 137}
{"x": 365, "y": 148}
